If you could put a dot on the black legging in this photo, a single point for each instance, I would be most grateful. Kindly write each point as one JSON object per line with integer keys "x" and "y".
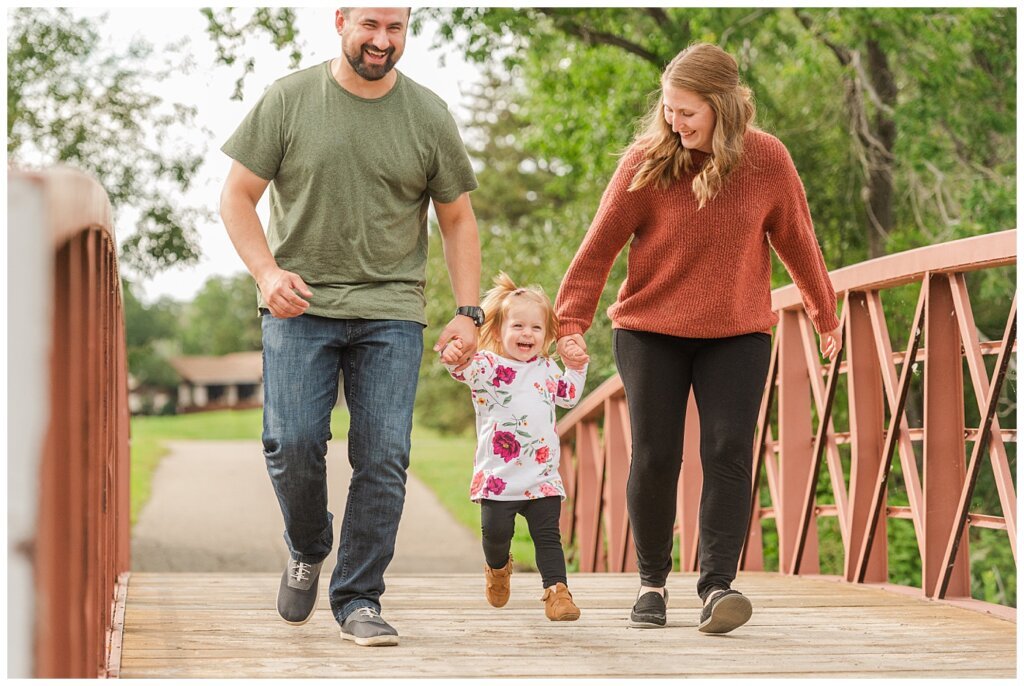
{"x": 728, "y": 376}
{"x": 497, "y": 522}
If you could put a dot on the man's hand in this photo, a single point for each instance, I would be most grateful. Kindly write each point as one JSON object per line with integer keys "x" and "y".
{"x": 464, "y": 330}
{"x": 573, "y": 351}
{"x": 830, "y": 343}
{"x": 278, "y": 288}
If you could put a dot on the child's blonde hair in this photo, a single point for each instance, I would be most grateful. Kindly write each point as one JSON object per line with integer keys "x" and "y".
{"x": 499, "y": 300}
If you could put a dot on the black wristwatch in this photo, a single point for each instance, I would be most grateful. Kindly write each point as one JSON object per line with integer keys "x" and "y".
{"x": 474, "y": 313}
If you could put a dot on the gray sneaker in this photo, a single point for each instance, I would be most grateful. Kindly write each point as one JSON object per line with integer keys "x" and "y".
{"x": 296, "y": 598}
{"x": 366, "y": 627}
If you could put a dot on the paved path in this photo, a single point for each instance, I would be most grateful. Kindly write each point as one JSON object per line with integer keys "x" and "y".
{"x": 212, "y": 509}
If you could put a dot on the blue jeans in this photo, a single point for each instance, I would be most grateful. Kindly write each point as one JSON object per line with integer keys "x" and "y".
{"x": 379, "y": 361}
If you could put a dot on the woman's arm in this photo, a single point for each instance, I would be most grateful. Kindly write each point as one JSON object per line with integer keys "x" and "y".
{"x": 791, "y": 234}
{"x": 618, "y": 216}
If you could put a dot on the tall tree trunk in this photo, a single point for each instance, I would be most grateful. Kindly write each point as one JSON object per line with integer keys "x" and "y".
{"x": 875, "y": 135}
{"x": 879, "y": 140}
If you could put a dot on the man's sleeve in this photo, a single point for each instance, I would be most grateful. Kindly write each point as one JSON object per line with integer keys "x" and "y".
{"x": 452, "y": 173}
{"x": 258, "y": 142}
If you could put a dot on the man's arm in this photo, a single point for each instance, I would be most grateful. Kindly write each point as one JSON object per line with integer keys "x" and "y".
{"x": 242, "y": 190}
{"x": 461, "y": 241}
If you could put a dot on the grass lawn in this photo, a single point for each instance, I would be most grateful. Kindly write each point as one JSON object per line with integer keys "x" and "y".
{"x": 444, "y": 464}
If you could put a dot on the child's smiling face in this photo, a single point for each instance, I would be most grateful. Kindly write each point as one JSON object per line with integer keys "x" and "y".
{"x": 524, "y": 330}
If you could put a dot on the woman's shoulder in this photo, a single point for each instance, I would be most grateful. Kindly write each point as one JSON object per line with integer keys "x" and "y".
{"x": 634, "y": 154}
{"x": 764, "y": 147}
{"x": 629, "y": 164}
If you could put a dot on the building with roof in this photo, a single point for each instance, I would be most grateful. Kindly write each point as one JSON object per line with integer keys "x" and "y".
{"x": 234, "y": 380}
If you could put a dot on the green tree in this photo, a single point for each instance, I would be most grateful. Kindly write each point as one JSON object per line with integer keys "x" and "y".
{"x": 930, "y": 104}
{"x": 150, "y": 333}
{"x": 229, "y": 32}
{"x": 73, "y": 99}
{"x": 876, "y": 105}
{"x": 222, "y": 318}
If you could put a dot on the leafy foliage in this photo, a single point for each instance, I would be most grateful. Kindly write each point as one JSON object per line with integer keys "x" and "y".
{"x": 222, "y": 318}
{"x": 229, "y": 33}
{"x": 578, "y": 79}
{"x": 147, "y": 332}
{"x": 72, "y": 99}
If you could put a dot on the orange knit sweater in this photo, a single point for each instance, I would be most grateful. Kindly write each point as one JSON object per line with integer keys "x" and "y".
{"x": 701, "y": 273}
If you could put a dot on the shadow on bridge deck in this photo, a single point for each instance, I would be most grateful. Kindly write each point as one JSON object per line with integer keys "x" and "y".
{"x": 220, "y": 625}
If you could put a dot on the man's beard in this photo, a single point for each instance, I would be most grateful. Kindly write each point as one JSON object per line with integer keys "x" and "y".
{"x": 371, "y": 72}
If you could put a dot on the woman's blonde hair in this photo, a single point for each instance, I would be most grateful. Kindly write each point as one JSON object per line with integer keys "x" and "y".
{"x": 711, "y": 73}
{"x": 499, "y": 300}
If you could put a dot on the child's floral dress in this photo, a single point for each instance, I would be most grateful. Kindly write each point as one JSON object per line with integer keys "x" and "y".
{"x": 517, "y": 448}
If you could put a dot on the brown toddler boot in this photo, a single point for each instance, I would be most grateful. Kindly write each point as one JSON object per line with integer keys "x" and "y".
{"x": 558, "y": 605}
{"x": 498, "y": 583}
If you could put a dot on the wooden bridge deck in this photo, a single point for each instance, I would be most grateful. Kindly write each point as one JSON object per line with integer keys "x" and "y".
{"x": 220, "y": 625}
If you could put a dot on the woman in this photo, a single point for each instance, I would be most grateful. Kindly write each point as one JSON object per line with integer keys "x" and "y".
{"x": 701, "y": 192}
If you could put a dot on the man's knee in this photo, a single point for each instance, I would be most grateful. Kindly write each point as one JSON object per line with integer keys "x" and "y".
{"x": 294, "y": 439}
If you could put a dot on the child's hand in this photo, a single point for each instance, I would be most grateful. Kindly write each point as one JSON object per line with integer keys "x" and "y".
{"x": 575, "y": 357}
{"x": 451, "y": 352}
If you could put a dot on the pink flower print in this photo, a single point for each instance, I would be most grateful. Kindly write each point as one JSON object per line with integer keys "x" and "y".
{"x": 505, "y": 445}
{"x": 561, "y": 389}
{"x": 551, "y": 386}
{"x": 478, "y": 481}
{"x": 495, "y": 486}
{"x": 503, "y": 375}
{"x": 459, "y": 377}
{"x": 549, "y": 490}
{"x": 572, "y": 391}
{"x": 542, "y": 455}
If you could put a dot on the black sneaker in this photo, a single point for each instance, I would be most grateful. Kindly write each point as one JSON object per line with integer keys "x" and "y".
{"x": 366, "y": 627}
{"x": 296, "y": 597}
{"x": 724, "y": 610}
{"x": 649, "y": 609}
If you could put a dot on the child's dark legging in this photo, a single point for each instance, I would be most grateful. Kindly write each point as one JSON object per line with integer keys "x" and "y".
{"x": 727, "y": 376}
{"x": 497, "y": 522}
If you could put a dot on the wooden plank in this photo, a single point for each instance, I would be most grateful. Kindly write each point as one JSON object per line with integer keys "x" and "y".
{"x": 225, "y": 626}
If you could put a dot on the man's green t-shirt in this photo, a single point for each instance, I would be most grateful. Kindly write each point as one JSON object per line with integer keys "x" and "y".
{"x": 351, "y": 180}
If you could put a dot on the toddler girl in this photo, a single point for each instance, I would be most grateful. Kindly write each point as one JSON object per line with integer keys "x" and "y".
{"x": 515, "y": 386}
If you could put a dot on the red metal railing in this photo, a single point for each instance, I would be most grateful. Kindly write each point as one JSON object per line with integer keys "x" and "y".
{"x": 595, "y": 436}
{"x": 81, "y": 542}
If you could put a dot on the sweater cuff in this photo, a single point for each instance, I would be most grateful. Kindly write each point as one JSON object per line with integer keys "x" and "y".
{"x": 569, "y": 328}
{"x": 826, "y": 322}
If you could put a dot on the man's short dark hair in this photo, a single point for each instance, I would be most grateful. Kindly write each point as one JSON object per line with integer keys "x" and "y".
{"x": 346, "y": 10}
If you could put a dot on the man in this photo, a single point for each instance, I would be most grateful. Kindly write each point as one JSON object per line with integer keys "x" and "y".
{"x": 353, "y": 151}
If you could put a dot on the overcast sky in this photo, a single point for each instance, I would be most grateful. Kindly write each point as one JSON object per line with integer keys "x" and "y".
{"x": 208, "y": 88}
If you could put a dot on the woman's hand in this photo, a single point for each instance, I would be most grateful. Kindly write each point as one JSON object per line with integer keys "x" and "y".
{"x": 573, "y": 351}
{"x": 830, "y": 343}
